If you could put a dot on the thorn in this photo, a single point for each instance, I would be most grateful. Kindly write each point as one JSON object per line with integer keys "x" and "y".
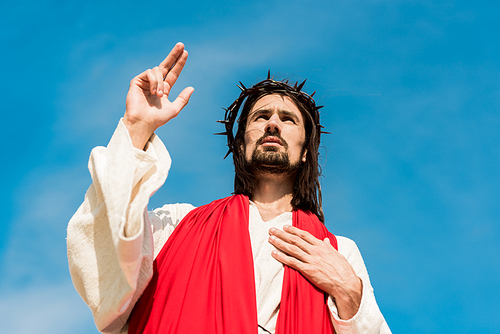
{"x": 242, "y": 85}
{"x": 268, "y": 74}
{"x": 319, "y": 107}
{"x": 223, "y": 121}
{"x": 221, "y": 133}
{"x": 301, "y": 85}
{"x": 313, "y": 93}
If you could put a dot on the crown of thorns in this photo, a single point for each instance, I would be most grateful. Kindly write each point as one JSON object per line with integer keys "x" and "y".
{"x": 269, "y": 86}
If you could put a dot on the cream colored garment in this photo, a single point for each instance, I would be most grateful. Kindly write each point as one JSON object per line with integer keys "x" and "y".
{"x": 112, "y": 241}
{"x": 269, "y": 277}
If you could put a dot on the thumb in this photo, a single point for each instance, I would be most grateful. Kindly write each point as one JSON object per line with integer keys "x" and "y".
{"x": 327, "y": 241}
{"x": 183, "y": 99}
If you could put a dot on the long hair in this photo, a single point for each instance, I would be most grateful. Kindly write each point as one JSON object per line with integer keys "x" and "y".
{"x": 307, "y": 189}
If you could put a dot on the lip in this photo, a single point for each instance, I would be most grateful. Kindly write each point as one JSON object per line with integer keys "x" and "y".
{"x": 271, "y": 141}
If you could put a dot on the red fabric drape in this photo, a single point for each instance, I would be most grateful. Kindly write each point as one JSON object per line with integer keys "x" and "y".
{"x": 203, "y": 279}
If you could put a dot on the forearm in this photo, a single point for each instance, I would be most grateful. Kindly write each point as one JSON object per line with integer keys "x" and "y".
{"x": 368, "y": 318}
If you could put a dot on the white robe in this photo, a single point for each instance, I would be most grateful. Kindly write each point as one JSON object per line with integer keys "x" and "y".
{"x": 112, "y": 241}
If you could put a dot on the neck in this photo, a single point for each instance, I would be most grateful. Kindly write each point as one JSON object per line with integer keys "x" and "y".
{"x": 273, "y": 194}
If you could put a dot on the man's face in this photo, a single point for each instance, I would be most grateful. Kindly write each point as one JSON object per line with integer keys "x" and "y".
{"x": 275, "y": 133}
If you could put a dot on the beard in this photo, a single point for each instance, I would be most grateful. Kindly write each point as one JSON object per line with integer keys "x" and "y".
{"x": 269, "y": 159}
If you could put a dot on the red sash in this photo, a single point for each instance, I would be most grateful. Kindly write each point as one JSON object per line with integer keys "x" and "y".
{"x": 203, "y": 279}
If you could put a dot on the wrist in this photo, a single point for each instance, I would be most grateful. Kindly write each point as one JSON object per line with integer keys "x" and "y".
{"x": 349, "y": 299}
{"x": 138, "y": 131}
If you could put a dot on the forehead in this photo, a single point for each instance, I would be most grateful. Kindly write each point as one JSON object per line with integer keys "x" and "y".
{"x": 276, "y": 102}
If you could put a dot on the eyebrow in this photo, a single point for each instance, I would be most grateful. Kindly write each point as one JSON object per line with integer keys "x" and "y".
{"x": 268, "y": 111}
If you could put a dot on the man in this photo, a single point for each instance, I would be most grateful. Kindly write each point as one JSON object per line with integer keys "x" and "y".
{"x": 259, "y": 261}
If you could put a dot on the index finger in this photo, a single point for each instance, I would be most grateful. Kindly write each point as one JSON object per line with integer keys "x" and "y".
{"x": 171, "y": 59}
{"x": 304, "y": 235}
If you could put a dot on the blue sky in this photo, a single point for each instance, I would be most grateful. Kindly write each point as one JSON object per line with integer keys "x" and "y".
{"x": 410, "y": 170}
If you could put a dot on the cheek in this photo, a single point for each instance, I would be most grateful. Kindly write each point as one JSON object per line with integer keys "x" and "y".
{"x": 251, "y": 137}
{"x": 299, "y": 147}
{"x": 246, "y": 147}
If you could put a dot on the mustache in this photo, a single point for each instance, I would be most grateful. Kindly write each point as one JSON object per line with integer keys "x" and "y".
{"x": 272, "y": 134}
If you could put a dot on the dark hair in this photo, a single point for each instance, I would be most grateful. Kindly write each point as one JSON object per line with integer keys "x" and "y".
{"x": 307, "y": 189}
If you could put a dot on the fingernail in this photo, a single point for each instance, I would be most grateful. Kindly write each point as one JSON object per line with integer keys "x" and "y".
{"x": 272, "y": 229}
{"x": 272, "y": 238}
{"x": 286, "y": 227}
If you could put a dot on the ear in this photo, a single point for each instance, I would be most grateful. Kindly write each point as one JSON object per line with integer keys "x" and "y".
{"x": 304, "y": 156}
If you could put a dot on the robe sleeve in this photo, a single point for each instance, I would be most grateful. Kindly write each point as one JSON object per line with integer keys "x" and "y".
{"x": 110, "y": 240}
{"x": 368, "y": 319}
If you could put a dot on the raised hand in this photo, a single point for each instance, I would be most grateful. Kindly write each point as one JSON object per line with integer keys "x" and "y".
{"x": 321, "y": 264}
{"x": 148, "y": 106}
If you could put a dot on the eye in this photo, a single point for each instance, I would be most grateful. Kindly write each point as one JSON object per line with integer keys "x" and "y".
{"x": 262, "y": 116}
{"x": 288, "y": 119}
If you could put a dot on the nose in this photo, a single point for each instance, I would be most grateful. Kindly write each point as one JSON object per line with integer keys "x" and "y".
{"x": 273, "y": 125}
